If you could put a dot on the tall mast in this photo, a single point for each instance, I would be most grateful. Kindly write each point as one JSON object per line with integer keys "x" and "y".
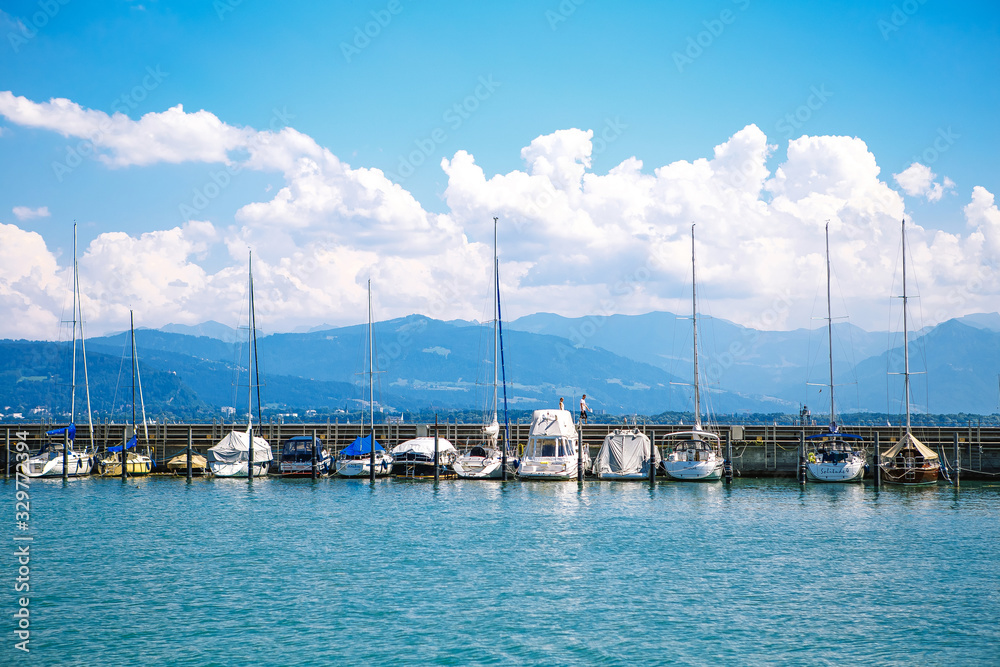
{"x": 76, "y": 291}
{"x": 253, "y": 333}
{"x": 829, "y": 322}
{"x": 83, "y": 339}
{"x": 694, "y": 320}
{"x": 131, "y": 327}
{"x": 371, "y": 388}
{"x": 496, "y": 320}
{"x": 906, "y": 338}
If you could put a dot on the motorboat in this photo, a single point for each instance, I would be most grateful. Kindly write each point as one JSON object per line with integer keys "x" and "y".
{"x": 297, "y": 456}
{"x": 553, "y": 448}
{"x": 415, "y": 458}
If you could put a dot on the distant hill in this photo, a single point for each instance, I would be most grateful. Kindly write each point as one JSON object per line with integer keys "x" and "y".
{"x": 626, "y": 365}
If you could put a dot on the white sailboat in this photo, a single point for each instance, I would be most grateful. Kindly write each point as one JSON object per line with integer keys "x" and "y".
{"x": 365, "y": 454}
{"x": 54, "y": 457}
{"x": 552, "y": 449}
{"x": 242, "y": 453}
{"x": 833, "y": 456}
{"x": 626, "y": 454}
{"x": 909, "y": 462}
{"x": 694, "y": 455}
{"x": 136, "y": 463}
{"x": 485, "y": 459}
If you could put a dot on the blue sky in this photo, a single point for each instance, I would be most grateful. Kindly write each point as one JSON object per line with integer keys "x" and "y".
{"x": 398, "y": 86}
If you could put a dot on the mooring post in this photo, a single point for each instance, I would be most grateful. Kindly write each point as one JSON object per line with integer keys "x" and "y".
{"x": 802, "y": 457}
{"x": 727, "y": 464}
{"x": 652, "y": 460}
{"x": 66, "y": 455}
{"x": 579, "y": 455}
{"x": 437, "y": 472}
{"x": 503, "y": 454}
{"x": 315, "y": 446}
{"x": 190, "y": 443}
{"x": 876, "y": 465}
{"x": 958, "y": 466}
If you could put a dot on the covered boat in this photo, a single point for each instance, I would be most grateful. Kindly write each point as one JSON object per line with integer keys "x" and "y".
{"x": 552, "y": 449}
{"x": 355, "y": 459}
{"x": 625, "y": 454}
{"x": 230, "y": 458}
{"x": 415, "y": 458}
{"x": 178, "y": 464}
{"x": 910, "y": 462}
{"x": 297, "y": 456}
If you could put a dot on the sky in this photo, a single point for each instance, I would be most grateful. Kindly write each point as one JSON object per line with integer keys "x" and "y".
{"x": 342, "y": 142}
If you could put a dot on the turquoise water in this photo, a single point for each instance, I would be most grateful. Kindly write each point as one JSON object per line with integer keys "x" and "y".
{"x": 160, "y": 571}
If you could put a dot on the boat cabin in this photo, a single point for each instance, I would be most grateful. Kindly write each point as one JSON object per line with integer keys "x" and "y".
{"x": 298, "y": 449}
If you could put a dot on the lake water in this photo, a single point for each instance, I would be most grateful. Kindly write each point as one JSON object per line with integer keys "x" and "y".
{"x": 160, "y": 571}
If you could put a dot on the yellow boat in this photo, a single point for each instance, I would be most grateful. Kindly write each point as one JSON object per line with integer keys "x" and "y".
{"x": 135, "y": 464}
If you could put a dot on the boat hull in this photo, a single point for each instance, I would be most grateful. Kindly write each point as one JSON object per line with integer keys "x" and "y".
{"x": 548, "y": 470}
{"x": 483, "y": 468}
{"x": 924, "y": 476}
{"x": 361, "y": 468}
{"x": 77, "y": 465}
{"x": 845, "y": 472}
{"x": 134, "y": 467}
{"x": 303, "y": 468}
{"x": 238, "y": 469}
{"x": 694, "y": 471}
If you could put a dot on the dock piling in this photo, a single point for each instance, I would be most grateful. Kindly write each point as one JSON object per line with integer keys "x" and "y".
{"x": 314, "y": 463}
{"x": 876, "y": 466}
{"x": 958, "y": 466}
{"x": 437, "y": 471}
{"x": 190, "y": 443}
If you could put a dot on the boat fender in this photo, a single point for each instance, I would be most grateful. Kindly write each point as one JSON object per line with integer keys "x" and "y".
{"x": 812, "y": 457}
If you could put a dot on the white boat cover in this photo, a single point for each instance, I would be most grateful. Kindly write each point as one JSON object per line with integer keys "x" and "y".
{"x": 423, "y": 446}
{"x": 235, "y": 448}
{"x": 910, "y": 440}
{"x": 624, "y": 452}
{"x": 552, "y": 423}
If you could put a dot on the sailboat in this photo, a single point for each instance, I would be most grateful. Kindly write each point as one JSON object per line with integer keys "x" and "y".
{"x": 136, "y": 463}
{"x": 694, "y": 455}
{"x": 486, "y": 459}
{"x": 833, "y": 456}
{"x": 909, "y": 462}
{"x": 59, "y": 459}
{"x": 243, "y": 453}
{"x": 365, "y": 457}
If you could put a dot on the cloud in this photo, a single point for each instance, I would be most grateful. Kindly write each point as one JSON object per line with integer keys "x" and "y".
{"x": 25, "y": 213}
{"x": 917, "y": 180}
{"x": 571, "y": 240}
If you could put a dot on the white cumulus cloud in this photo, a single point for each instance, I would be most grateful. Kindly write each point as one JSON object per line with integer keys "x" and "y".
{"x": 27, "y": 213}
{"x": 917, "y": 180}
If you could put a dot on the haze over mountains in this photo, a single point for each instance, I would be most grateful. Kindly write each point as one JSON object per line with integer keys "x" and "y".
{"x": 626, "y": 365}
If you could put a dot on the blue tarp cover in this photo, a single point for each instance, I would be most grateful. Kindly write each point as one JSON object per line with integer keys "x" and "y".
{"x": 129, "y": 445}
{"x": 361, "y": 446}
{"x": 71, "y": 428}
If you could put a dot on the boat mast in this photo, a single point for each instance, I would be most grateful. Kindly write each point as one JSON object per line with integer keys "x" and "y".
{"x": 253, "y": 333}
{"x": 694, "y": 320}
{"x": 138, "y": 380}
{"x": 906, "y": 340}
{"x": 72, "y": 380}
{"x": 829, "y": 323}
{"x": 496, "y": 321}
{"x": 131, "y": 328}
{"x": 78, "y": 300}
{"x": 371, "y": 388}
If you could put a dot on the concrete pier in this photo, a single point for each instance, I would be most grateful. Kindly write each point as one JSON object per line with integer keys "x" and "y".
{"x": 758, "y": 450}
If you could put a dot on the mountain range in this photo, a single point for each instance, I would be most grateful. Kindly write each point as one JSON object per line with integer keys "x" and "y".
{"x": 626, "y": 365}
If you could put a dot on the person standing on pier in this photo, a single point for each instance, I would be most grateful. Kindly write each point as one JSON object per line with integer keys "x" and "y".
{"x": 584, "y": 409}
{"x": 561, "y": 403}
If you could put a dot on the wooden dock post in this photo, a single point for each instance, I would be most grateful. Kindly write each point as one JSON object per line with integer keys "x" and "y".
{"x": 313, "y": 448}
{"x": 190, "y": 443}
{"x": 437, "y": 472}
{"x": 801, "y": 473}
{"x": 66, "y": 456}
{"x": 727, "y": 464}
{"x": 958, "y": 466}
{"x": 876, "y": 465}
